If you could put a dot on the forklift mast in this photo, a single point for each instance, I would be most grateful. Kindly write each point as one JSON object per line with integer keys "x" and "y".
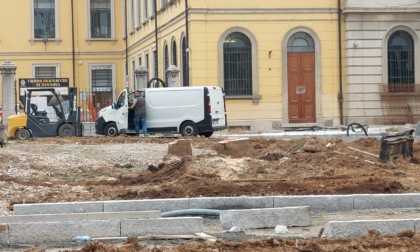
{"x": 72, "y": 97}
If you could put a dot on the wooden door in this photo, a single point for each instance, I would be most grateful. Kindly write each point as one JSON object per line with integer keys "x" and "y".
{"x": 301, "y": 87}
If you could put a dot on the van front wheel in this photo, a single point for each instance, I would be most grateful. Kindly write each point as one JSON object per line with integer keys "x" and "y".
{"x": 188, "y": 129}
{"x": 111, "y": 130}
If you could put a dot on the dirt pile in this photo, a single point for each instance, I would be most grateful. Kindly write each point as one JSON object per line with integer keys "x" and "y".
{"x": 125, "y": 167}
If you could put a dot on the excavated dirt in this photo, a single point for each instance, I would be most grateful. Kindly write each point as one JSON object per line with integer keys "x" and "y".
{"x": 126, "y": 167}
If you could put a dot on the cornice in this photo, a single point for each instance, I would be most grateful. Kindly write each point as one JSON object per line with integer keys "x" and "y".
{"x": 381, "y": 10}
{"x": 261, "y": 10}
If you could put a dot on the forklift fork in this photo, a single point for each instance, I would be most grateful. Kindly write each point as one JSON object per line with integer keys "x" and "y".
{"x": 397, "y": 144}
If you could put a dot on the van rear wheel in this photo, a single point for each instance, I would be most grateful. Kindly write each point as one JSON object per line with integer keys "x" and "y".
{"x": 111, "y": 130}
{"x": 188, "y": 129}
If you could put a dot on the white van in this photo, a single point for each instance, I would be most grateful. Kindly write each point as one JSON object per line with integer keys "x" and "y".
{"x": 189, "y": 111}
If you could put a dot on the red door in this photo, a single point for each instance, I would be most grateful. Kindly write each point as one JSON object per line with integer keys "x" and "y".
{"x": 301, "y": 86}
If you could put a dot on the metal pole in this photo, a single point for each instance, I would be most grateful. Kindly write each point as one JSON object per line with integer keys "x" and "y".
{"x": 340, "y": 95}
{"x": 156, "y": 41}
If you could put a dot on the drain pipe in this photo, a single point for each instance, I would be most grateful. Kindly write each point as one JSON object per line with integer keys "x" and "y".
{"x": 156, "y": 42}
{"x": 340, "y": 95}
{"x": 126, "y": 44}
{"x": 72, "y": 43}
{"x": 187, "y": 46}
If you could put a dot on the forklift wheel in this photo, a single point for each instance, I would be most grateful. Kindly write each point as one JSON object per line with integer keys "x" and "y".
{"x": 66, "y": 130}
{"x": 22, "y": 134}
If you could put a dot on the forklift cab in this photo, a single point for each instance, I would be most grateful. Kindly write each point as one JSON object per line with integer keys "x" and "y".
{"x": 47, "y": 114}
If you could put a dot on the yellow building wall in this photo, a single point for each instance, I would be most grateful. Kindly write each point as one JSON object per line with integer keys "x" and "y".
{"x": 16, "y": 44}
{"x": 268, "y": 21}
{"x": 269, "y": 27}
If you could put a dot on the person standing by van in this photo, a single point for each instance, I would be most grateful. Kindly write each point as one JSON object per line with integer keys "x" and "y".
{"x": 139, "y": 106}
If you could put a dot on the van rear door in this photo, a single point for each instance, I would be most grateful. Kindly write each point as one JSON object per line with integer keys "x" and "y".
{"x": 217, "y": 103}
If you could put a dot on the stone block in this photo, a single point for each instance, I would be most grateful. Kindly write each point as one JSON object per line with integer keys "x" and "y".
{"x": 57, "y": 208}
{"x": 164, "y": 205}
{"x": 327, "y": 203}
{"x": 340, "y": 229}
{"x": 226, "y": 203}
{"x": 162, "y": 226}
{"x": 79, "y": 216}
{"x": 60, "y": 232}
{"x": 181, "y": 147}
{"x": 236, "y": 148}
{"x": 266, "y": 218}
{"x": 4, "y": 234}
{"x": 417, "y": 225}
{"x": 371, "y": 201}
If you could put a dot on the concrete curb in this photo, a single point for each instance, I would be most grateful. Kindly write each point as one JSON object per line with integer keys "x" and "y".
{"x": 341, "y": 229}
{"x": 79, "y": 216}
{"x": 265, "y": 218}
{"x": 323, "y": 203}
{"x": 29, "y": 233}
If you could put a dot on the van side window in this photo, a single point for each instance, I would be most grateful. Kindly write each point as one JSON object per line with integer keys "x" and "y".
{"x": 121, "y": 100}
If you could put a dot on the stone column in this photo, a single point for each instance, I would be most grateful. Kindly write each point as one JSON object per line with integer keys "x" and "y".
{"x": 141, "y": 77}
{"x": 172, "y": 72}
{"x": 8, "y": 72}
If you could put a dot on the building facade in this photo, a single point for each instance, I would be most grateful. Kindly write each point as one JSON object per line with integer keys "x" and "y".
{"x": 278, "y": 61}
{"x": 382, "y": 38}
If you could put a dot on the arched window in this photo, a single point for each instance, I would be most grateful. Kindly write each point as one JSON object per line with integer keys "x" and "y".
{"x": 401, "y": 62}
{"x": 174, "y": 54}
{"x": 300, "y": 42}
{"x": 185, "y": 64}
{"x": 237, "y": 64}
{"x": 166, "y": 63}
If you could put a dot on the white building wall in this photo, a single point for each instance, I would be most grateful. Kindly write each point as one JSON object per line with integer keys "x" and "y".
{"x": 368, "y": 24}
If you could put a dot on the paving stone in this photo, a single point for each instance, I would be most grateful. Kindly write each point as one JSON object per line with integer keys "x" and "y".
{"x": 225, "y": 203}
{"x": 59, "y": 232}
{"x": 266, "y": 218}
{"x": 57, "y": 208}
{"x": 317, "y": 202}
{"x": 162, "y": 226}
{"x": 339, "y": 229}
{"x": 163, "y": 205}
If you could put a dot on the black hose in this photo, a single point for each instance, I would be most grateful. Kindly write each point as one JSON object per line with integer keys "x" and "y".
{"x": 184, "y": 212}
{"x": 351, "y": 126}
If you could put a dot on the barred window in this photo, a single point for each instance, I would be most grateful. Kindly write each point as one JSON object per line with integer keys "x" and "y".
{"x": 45, "y": 72}
{"x": 102, "y": 80}
{"x": 237, "y": 63}
{"x": 401, "y": 62}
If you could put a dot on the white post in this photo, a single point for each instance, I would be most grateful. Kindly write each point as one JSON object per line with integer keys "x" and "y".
{"x": 8, "y": 72}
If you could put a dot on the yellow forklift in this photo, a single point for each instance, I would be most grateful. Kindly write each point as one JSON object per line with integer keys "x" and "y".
{"x": 61, "y": 119}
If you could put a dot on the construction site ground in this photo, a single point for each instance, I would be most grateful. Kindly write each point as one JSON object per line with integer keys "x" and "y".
{"x": 129, "y": 167}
